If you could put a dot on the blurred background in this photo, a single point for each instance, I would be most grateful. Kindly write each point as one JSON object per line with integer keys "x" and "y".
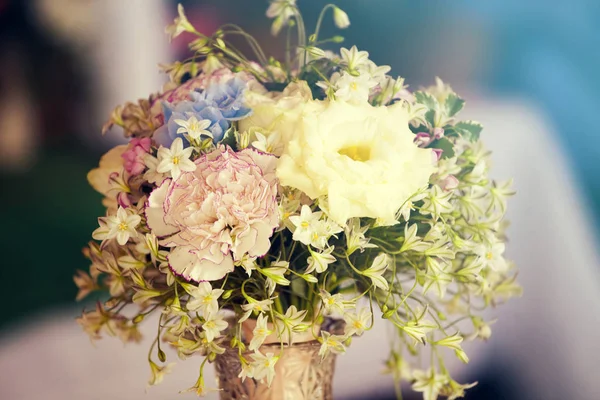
{"x": 64, "y": 64}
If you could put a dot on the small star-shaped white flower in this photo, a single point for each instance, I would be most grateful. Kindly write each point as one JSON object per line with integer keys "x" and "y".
{"x": 205, "y": 299}
{"x": 175, "y": 160}
{"x": 120, "y": 226}
{"x": 260, "y": 332}
{"x": 213, "y": 327}
{"x": 305, "y": 224}
{"x": 354, "y": 58}
{"x": 194, "y": 128}
{"x": 263, "y": 366}
{"x": 354, "y": 89}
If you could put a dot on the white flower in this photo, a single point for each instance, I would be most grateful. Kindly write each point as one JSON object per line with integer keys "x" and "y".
{"x": 246, "y": 372}
{"x": 419, "y": 328}
{"x": 213, "y": 326}
{"x": 260, "y": 332}
{"x": 411, "y": 241}
{"x": 158, "y": 373}
{"x": 275, "y": 275}
{"x": 354, "y": 89}
{"x": 263, "y": 366}
{"x": 332, "y": 302}
{"x": 291, "y": 321}
{"x": 305, "y": 224}
{"x": 282, "y": 11}
{"x": 491, "y": 255}
{"x": 331, "y": 343}
{"x": 407, "y": 207}
{"x": 429, "y": 383}
{"x": 378, "y": 73}
{"x": 362, "y": 158}
{"x": 205, "y": 299}
{"x": 357, "y": 323}
{"x": 340, "y": 18}
{"x": 255, "y": 306}
{"x": 354, "y": 58}
{"x": 180, "y": 25}
{"x": 319, "y": 261}
{"x": 437, "y": 202}
{"x": 248, "y": 263}
{"x": 152, "y": 175}
{"x": 121, "y": 226}
{"x": 271, "y": 143}
{"x": 194, "y": 128}
{"x": 175, "y": 160}
{"x": 376, "y": 270}
{"x": 275, "y": 114}
{"x": 355, "y": 236}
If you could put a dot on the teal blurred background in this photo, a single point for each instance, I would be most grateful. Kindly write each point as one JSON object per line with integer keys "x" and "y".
{"x": 544, "y": 52}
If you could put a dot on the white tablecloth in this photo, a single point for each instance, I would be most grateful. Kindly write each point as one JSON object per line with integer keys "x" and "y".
{"x": 548, "y": 338}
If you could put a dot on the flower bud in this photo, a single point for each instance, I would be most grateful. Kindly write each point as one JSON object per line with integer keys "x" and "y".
{"x": 340, "y": 18}
{"x": 138, "y": 318}
{"x": 438, "y": 133}
{"x": 422, "y": 139}
{"x": 162, "y": 356}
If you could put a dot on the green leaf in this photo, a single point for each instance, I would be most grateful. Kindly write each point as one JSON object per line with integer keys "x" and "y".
{"x": 430, "y": 118}
{"x": 469, "y": 130}
{"x": 229, "y": 138}
{"x": 454, "y": 104}
{"x": 445, "y": 145}
{"x": 427, "y": 100}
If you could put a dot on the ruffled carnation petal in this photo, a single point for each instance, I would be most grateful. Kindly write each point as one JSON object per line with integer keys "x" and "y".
{"x": 199, "y": 265}
{"x": 155, "y": 214}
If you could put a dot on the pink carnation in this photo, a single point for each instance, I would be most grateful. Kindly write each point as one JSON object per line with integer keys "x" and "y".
{"x": 134, "y": 155}
{"x": 211, "y": 217}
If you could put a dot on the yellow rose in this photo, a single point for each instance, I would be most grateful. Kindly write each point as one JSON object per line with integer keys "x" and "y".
{"x": 362, "y": 158}
{"x": 275, "y": 115}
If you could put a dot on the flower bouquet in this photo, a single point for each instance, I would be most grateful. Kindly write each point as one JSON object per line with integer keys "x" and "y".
{"x": 264, "y": 207}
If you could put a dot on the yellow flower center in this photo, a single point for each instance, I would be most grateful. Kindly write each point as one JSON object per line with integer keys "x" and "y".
{"x": 353, "y": 86}
{"x": 210, "y": 324}
{"x": 356, "y": 152}
{"x": 123, "y": 226}
{"x": 315, "y": 236}
{"x": 261, "y": 332}
{"x": 207, "y": 299}
{"x": 304, "y": 224}
{"x": 175, "y": 160}
{"x": 358, "y": 324}
{"x": 331, "y": 301}
{"x": 489, "y": 255}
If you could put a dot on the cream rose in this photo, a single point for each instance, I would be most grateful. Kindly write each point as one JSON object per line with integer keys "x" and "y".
{"x": 361, "y": 157}
{"x": 275, "y": 115}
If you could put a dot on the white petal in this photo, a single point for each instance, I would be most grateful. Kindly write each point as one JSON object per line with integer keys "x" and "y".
{"x": 263, "y": 242}
{"x": 155, "y": 213}
{"x": 199, "y": 265}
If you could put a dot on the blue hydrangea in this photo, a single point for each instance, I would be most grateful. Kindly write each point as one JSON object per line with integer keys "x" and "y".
{"x": 221, "y": 103}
